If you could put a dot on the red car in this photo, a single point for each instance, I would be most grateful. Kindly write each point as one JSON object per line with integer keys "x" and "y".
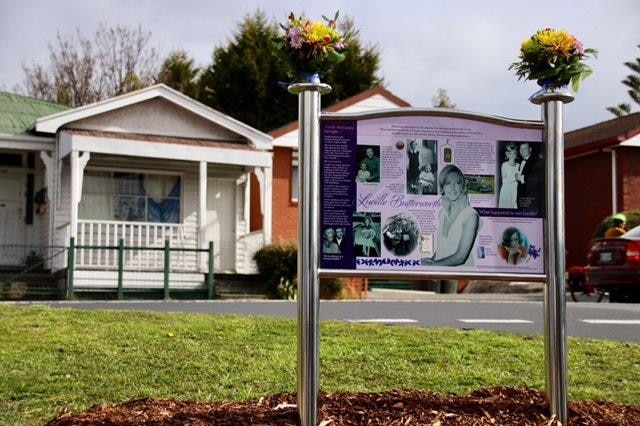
{"x": 614, "y": 266}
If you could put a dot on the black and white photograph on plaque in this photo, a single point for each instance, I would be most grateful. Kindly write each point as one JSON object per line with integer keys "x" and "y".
{"x": 400, "y": 234}
{"x": 422, "y": 164}
{"x": 481, "y": 184}
{"x": 530, "y": 176}
{"x": 509, "y": 173}
{"x": 366, "y": 232}
{"x": 329, "y": 244}
{"x": 368, "y": 167}
{"x": 458, "y": 221}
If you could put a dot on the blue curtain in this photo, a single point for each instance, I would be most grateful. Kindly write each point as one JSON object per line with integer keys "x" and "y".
{"x": 166, "y": 210}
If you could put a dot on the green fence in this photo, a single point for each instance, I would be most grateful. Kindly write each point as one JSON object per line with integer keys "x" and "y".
{"x": 121, "y": 265}
{"x": 26, "y": 271}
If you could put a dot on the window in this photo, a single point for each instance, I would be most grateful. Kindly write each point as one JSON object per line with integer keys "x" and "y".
{"x": 295, "y": 175}
{"x": 130, "y": 197}
{"x": 13, "y": 160}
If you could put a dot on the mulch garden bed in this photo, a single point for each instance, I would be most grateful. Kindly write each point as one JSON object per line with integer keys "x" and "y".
{"x": 496, "y": 406}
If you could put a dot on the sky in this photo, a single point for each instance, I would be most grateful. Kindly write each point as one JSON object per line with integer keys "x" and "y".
{"x": 464, "y": 46}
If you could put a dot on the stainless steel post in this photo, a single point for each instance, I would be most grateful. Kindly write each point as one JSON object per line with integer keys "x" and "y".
{"x": 555, "y": 338}
{"x": 308, "y": 247}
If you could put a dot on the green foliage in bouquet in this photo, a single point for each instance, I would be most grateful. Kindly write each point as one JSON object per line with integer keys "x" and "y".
{"x": 553, "y": 57}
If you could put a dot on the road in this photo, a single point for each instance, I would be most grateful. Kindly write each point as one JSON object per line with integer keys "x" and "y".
{"x": 600, "y": 321}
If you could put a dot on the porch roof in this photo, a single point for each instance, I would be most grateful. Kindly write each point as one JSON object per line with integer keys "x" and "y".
{"x": 162, "y": 147}
{"x": 163, "y": 139}
{"x": 54, "y": 123}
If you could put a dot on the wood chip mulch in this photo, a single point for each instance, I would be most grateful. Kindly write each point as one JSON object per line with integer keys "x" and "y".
{"x": 496, "y": 406}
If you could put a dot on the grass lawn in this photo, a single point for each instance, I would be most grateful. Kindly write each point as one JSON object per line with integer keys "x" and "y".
{"x": 54, "y": 358}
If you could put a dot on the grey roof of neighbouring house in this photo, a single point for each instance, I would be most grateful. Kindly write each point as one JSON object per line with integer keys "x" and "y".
{"x": 18, "y": 114}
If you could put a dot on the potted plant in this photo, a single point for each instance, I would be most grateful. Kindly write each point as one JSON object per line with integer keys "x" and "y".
{"x": 553, "y": 58}
{"x": 312, "y": 47}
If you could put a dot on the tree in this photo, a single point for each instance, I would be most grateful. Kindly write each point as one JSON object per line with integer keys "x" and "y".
{"x": 632, "y": 81}
{"x": 441, "y": 99}
{"x": 180, "y": 72}
{"x": 80, "y": 71}
{"x": 357, "y": 73}
{"x": 242, "y": 80}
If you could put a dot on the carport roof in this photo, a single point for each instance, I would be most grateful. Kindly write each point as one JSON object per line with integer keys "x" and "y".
{"x": 18, "y": 114}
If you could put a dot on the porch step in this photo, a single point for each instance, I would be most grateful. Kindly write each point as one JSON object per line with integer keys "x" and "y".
{"x": 239, "y": 286}
{"x": 41, "y": 285}
{"x": 90, "y": 280}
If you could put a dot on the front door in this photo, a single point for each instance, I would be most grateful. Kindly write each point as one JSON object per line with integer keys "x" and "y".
{"x": 221, "y": 222}
{"x": 12, "y": 227}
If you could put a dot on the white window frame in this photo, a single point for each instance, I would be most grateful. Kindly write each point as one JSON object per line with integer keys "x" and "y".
{"x": 295, "y": 165}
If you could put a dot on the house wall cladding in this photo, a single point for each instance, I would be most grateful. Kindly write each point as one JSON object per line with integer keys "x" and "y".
{"x": 629, "y": 168}
{"x": 587, "y": 202}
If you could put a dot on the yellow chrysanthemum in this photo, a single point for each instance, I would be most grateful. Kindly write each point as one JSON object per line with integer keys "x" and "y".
{"x": 557, "y": 40}
{"x": 527, "y": 45}
{"x": 319, "y": 32}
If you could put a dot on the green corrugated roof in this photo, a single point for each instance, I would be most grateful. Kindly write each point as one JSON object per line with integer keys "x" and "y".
{"x": 19, "y": 113}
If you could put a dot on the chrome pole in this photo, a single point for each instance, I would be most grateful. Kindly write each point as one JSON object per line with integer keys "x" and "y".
{"x": 555, "y": 338}
{"x": 308, "y": 247}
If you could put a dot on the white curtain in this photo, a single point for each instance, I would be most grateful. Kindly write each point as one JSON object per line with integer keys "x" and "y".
{"x": 97, "y": 196}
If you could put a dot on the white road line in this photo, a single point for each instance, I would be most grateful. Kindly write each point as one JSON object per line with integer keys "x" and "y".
{"x": 608, "y": 321}
{"x": 385, "y": 320}
{"x": 495, "y": 321}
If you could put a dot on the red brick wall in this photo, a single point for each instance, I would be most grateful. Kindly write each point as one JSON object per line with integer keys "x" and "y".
{"x": 255, "y": 217}
{"x": 587, "y": 201}
{"x": 285, "y": 212}
{"x": 629, "y": 182}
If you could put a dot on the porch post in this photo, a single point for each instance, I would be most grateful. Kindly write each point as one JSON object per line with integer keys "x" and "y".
{"x": 202, "y": 214}
{"x": 48, "y": 159}
{"x": 78, "y": 163}
{"x": 268, "y": 205}
{"x": 264, "y": 177}
{"x": 75, "y": 197}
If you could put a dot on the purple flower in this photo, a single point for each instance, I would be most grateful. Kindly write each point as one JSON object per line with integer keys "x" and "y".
{"x": 295, "y": 37}
{"x": 578, "y": 46}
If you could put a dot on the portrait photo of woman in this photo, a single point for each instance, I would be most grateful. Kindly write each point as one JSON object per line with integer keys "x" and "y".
{"x": 508, "y": 198}
{"x": 329, "y": 244}
{"x": 513, "y": 247}
{"x": 458, "y": 222}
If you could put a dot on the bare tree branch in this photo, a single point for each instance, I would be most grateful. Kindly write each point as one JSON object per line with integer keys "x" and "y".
{"x": 81, "y": 71}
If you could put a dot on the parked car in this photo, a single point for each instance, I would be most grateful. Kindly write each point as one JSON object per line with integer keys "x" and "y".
{"x": 475, "y": 183}
{"x": 613, "y": 265}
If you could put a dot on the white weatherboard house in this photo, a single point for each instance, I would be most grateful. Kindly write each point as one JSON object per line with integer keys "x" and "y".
{"x": 145, "y": 167}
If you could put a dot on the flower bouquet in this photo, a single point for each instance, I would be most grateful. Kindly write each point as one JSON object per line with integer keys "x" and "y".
{"x": 553, "y": 58}
{"x": 312, "y": 47}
